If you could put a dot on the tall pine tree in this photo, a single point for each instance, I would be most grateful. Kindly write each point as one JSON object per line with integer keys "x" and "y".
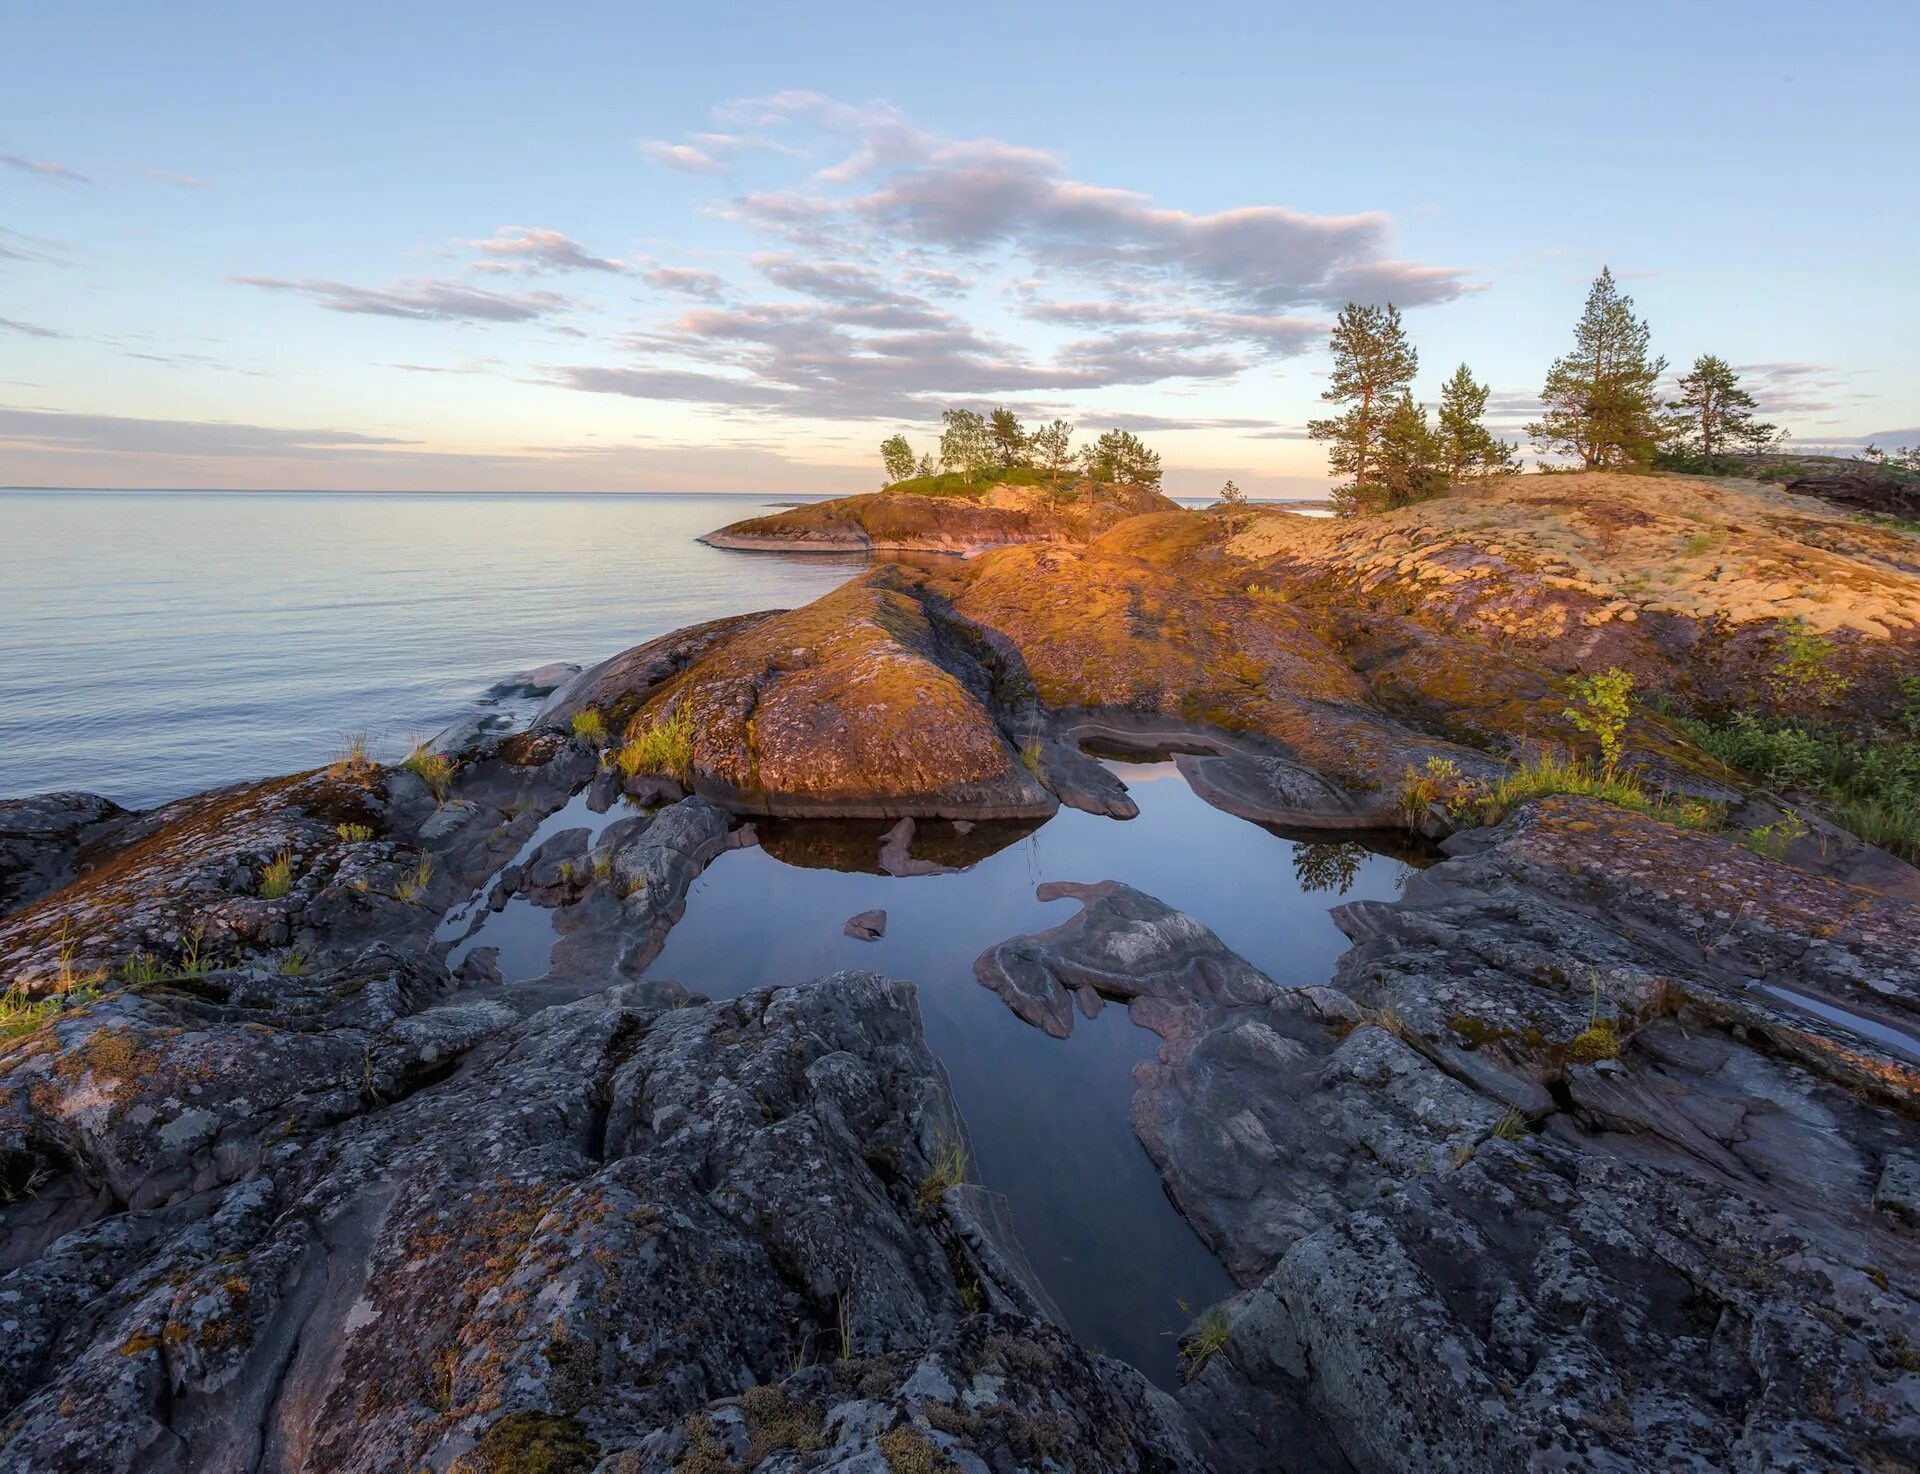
{"x": 1467, "y": 447}
{"x": 1410, "y": 459}
{"x": 1713, "y": 415}
{"x": 1373, "y": 365}
{"x": 1600, "y": 401}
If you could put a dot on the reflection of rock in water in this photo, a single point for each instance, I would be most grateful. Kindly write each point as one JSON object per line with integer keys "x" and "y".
{"x": 852, "y": 846}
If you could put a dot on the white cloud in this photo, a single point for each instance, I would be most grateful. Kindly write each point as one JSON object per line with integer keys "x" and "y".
{"x": 421, "y": 298}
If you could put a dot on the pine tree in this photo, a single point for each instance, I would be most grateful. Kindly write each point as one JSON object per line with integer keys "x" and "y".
{"x": 1234, "y": 501}
{"x": 1467, "y": 447}
{"x": 1600, "y": 397}
{"x": 1010, "y": 440}
{"x": 1713, "y": 414}
{"x": 897, "y": 456}
{"x": 1411, "y": 461}
{"x": 1119, "y": 457}
{"x": 1373, "y": 364}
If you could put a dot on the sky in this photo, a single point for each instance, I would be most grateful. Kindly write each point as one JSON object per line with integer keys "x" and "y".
{"x": 722, "y": 247}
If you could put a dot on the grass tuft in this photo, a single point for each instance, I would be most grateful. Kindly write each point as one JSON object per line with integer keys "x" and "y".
{"x": 414, "y": 886}
{"x": 276, "y": 878}
{"x": 590, "y": 727}
{"x": 1552, "y": 773}
{"x": 1205, "y": 1339}
{"x": 949, "y": 1170}
{"x": 20, "y": 1014}
{"x": 353, "y": 833}
{"x": 355, "y": 755}
{"x": 435, "y": 770}
{"x": 664, "y": 745}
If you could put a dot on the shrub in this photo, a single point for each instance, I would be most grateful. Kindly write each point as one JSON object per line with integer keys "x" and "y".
{"x": 1773, "y": 839}
{"x": 664, "y": 745}
{"x": 435, "y": 769}
{"x": 276, "y": 879}
{"x": 1805, "y": 667}
{"x": 1871, "y": 788}
{"x": 1604, "y": 702}
{"x": 590, "y": 727}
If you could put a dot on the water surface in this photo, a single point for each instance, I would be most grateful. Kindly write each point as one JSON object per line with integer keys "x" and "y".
{"x": 158, "y": 643}
{"x": 1048, "y": 1117}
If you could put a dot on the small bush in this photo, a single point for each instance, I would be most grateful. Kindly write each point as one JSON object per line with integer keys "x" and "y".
{"x": 353, "y": 833}
{"x": 1805, "y": 669}
{"x": 435, "y": 770}
{"x": 1604, "y": 702}
{"x": 1871, "y": 788}
{"x": 909, "y": 1451}
{"x": 1773, "y": 839}
{"x": 590, "y": 727}
{"x": 276, "y": 879}
{"x": 664, "y": 745}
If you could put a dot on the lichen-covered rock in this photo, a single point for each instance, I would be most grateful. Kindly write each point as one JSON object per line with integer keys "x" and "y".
{"x": 1463, "y": 1241}
{"x": 582, "y": 1230}
{"x": 43, "y": 838}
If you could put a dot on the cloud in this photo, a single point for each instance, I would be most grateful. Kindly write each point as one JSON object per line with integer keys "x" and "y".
{"x": 711, "y": 153}
{"x": 524, "y": 247}
{"x": 181, "y": 181}
{"x": 45, "y": 169}
{"x": 1151, "y": 423}
{"x": 688, "y": 281}
{"x": 27, "y": 329}
{"x": 420, "y": 298}
{"x": 52, "y": 430}
{"x": 16, "y": 246}
{"x": 682, "y": 156}
{"x": 972, "y": 197}
{"x": 640, "y": 383}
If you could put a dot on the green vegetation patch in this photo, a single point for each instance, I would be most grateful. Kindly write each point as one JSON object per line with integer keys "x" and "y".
{"x": 1871, "y": 787}
{"x": 532, "y": 1443}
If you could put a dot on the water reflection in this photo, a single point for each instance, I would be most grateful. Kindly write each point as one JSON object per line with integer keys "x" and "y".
{"x": 1049, "y": 1118}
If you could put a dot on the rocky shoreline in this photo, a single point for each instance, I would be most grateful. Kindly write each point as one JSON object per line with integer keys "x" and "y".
{"x": 1598, "y": 1150}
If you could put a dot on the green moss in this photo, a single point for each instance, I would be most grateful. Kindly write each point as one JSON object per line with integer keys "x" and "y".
{"x": 1595, "y": 1042}
{"x": 532, "y": 1443}
{"x": 775, "y": 1422}
{"x": 909, "y": 1451}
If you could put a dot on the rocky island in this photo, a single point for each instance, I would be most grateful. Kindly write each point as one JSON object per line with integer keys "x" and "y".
{"x": 1597, "y": 1150}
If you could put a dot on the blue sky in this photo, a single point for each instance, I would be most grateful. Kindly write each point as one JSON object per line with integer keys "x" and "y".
{"x": 731, "y": 247}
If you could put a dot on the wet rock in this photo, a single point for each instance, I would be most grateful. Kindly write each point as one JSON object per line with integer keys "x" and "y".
{"x": 541, "y": 680}
{"x": 42, "y": 839}
{"x": 1121, "y": 945}
{"x": 868, "y": 926}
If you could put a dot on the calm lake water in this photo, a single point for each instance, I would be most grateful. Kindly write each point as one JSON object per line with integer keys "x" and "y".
{"x": 158, "y": 643}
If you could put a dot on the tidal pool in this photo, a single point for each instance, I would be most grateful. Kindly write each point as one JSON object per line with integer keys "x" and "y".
{"x": 1048, "y": 1117}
